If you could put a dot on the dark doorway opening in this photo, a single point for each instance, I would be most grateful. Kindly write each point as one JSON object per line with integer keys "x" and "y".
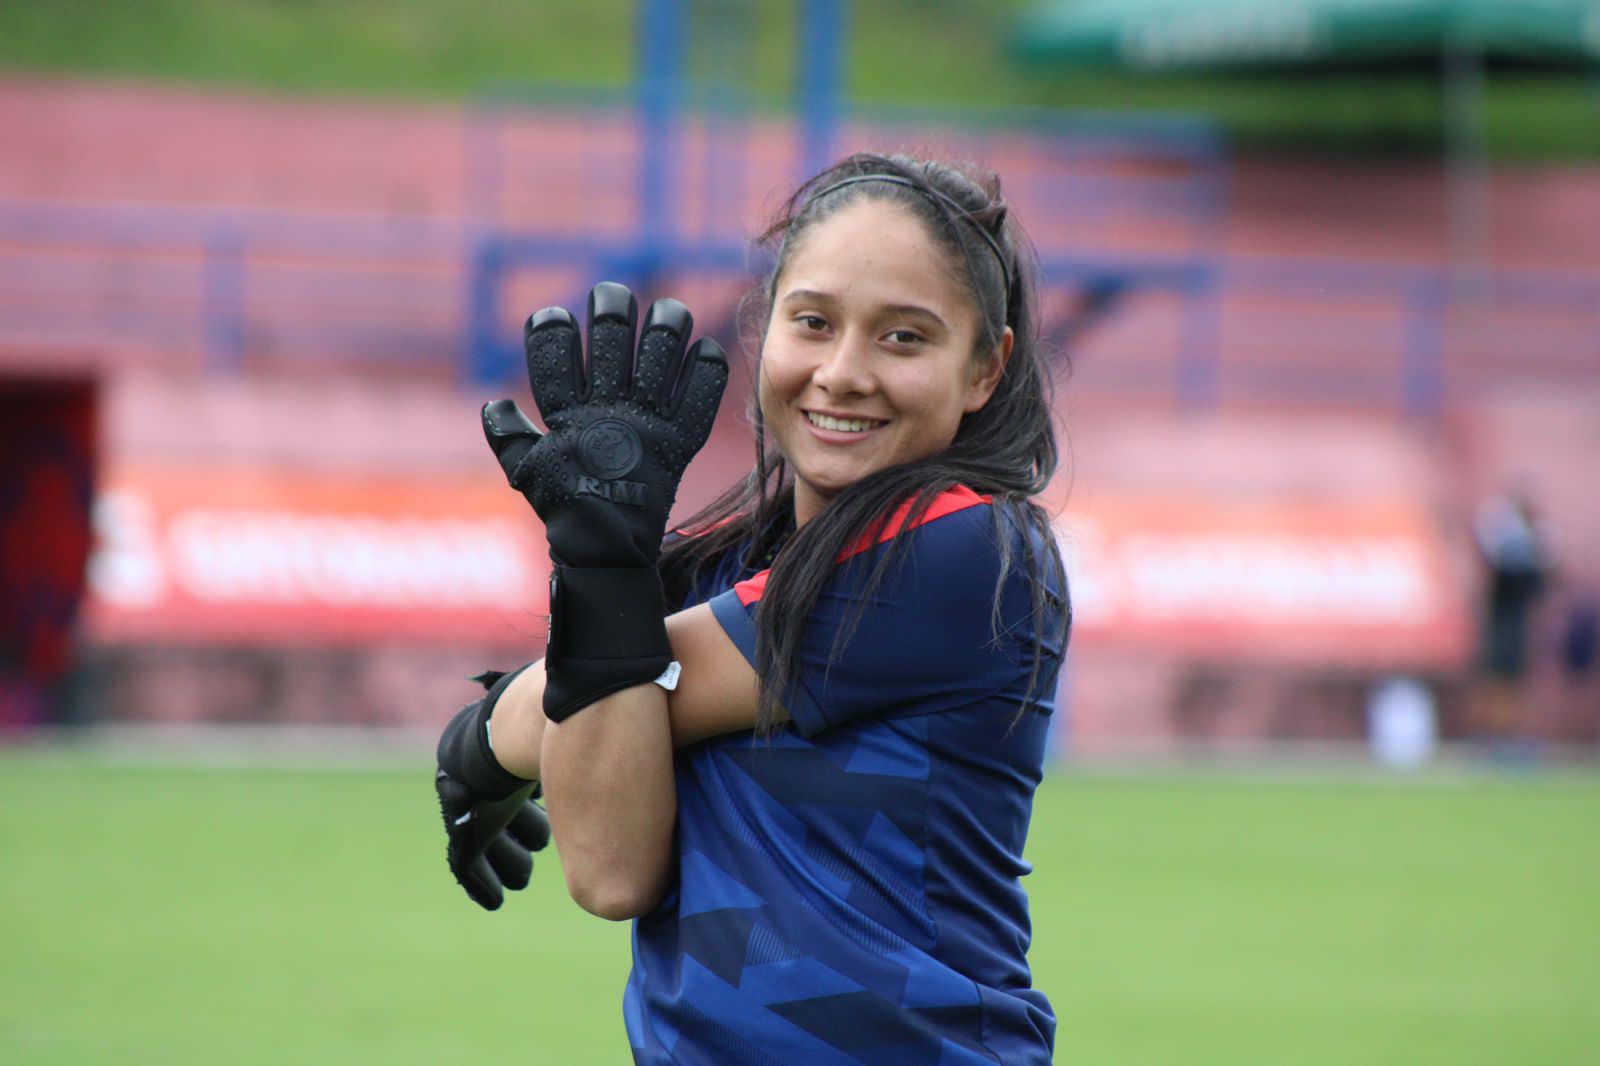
{"x": 47, "y": 476}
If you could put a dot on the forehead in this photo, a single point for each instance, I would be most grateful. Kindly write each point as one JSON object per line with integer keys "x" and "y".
{"x": 875, "y": 249}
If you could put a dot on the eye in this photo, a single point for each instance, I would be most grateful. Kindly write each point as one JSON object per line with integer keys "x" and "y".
{"x": 904, "y": 337}
{"x": 811, "y": 323}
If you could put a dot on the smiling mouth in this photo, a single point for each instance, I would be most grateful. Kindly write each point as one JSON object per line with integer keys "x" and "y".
{"x": 843, "y": 425}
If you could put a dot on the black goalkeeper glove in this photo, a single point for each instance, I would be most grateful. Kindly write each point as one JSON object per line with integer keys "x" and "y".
{"x": 603, "y": 477}
{"x": 490, "y": 820}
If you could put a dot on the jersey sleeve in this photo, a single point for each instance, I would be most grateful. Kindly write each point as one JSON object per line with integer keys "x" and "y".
{"x": 928, "y": 638}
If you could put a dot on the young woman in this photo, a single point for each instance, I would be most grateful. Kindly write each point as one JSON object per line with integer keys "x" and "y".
{"x": 816, "y": 814}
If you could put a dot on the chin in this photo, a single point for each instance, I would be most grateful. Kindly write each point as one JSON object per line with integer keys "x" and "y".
{"x": 829, "y": 486}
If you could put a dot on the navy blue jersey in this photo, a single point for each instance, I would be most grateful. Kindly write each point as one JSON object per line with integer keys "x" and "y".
{"x": 848, "y": 890}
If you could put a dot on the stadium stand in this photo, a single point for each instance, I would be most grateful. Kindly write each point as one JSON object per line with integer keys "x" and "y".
{"x": 264, "y": 281}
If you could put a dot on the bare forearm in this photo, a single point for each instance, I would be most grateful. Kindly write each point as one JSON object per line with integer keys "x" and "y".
{"x": 612, "y": 801}
{"x": 516, "y": 728}
{"x": 608, "y": 770}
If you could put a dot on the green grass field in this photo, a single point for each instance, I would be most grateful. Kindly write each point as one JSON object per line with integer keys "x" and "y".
{"x": 262, "y": 916}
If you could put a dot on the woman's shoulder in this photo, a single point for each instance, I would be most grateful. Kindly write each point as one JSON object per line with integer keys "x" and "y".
{"x": 1010, "y": 547}
{"x": 964, "y": 542}
{"x": 953, "y": 515}
{"x": 969, "y": 520}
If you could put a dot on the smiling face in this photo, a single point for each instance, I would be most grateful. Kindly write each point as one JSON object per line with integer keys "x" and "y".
{"x": 868, "y": 360}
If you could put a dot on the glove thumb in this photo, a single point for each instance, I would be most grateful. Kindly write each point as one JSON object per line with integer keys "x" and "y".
{"x": 510, "y": 435}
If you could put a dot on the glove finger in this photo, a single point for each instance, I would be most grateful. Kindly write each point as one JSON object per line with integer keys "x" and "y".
{"x": 613, "y": 313}
{"x": 661, "y": 343}
{"x": 511, "y": 862}
{"x": 481, "y": 884}
{"x": 530, "y": 827}
{"x": 510, "y": 435}
{"x": 555, "y": 360}
{"x": 705, "y": 375}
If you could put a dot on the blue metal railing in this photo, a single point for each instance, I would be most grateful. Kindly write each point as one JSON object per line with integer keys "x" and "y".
{"x": 217, "y": 286}
{"x": 1179, "y": 322}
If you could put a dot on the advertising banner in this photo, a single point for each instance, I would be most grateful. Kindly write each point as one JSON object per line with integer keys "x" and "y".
{"x": 219, "y": 554}
{"x": 1360, "y": 585}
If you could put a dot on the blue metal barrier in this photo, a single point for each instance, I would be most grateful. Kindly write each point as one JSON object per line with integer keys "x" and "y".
{"x": 1173, "y": 321}
{"x": 1422, "y": 380}
{"x": 820, "y": 67}
{"x": 224, "y": 299}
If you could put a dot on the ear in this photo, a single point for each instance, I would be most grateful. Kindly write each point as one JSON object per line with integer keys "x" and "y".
{"x": 987, "y": 372}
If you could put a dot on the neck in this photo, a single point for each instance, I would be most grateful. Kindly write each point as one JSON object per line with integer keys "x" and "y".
{"x": 808, "y": 503}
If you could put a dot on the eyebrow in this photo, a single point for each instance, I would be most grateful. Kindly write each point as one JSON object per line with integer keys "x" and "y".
{"x": 813, "y": 296}
{"x": 808, "y": 295}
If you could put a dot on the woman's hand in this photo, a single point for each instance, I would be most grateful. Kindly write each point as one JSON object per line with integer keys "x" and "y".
{"x": 623, "y": 425}
{"x": 621, "y": 428}
{"x": 492, "y": 826}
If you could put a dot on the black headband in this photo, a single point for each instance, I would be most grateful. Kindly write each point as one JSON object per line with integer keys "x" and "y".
{"x": 932, "y": 194}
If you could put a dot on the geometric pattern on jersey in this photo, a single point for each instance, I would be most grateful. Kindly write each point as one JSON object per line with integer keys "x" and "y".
{"x": 848, "y": 889}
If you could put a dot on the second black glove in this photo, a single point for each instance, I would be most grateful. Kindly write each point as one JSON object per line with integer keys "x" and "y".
{"x": 491, "y": 824}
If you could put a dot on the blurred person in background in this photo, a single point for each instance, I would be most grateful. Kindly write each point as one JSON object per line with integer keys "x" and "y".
{"x": 1580, "y": 661}
{"x": 859, "y": 669}
{"x": 1516, "y": 573}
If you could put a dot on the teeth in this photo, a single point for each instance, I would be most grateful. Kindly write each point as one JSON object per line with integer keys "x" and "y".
{"x": 846, "y": 425}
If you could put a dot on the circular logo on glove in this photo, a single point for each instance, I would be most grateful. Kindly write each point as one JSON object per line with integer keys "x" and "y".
{"x": 610, "y": 449}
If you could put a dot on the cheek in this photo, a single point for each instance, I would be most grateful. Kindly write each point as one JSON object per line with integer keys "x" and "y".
{"x": 937, "y": 405}
{"x": 781, "y": 375}
{"x": 771, "y": 391}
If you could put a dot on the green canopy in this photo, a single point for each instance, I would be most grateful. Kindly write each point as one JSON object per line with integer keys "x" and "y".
{"x": 1456, "y": 37}
{"x": 1237, "y": 34}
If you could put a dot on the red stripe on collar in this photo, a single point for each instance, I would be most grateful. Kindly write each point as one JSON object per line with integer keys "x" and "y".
{"x": 948, "y": 502}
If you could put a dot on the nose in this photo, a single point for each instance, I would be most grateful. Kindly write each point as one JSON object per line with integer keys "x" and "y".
{"x": 846, "y": 368}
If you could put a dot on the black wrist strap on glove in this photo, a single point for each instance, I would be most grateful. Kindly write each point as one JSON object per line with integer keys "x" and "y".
{"x": 464, "y": 751}
{"x": 608, "y": 632}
